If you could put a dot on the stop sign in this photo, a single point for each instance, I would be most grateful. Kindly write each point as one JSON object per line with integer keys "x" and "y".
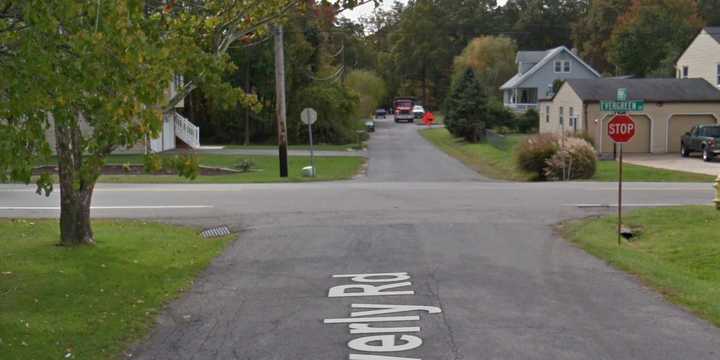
{"x": 621, "y": 128}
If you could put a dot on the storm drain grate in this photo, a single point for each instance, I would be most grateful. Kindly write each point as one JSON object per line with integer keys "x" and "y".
{"x": 213, "y": 232}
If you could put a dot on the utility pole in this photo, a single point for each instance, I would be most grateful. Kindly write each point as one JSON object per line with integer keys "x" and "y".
{"x": 281, "y": 112}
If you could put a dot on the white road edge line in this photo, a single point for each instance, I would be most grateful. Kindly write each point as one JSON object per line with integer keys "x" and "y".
{"x": 139, "y": 207}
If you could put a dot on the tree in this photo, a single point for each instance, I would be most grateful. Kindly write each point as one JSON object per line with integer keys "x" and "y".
{"x": 491, "y": 58}
{"x": 710, "y": 11}
{"x": 465, "y": 108}
{"x": 542, "y": 24}
{"x": 591, "y": 33}
{"x": 651, "y": 34}
{"x": 94, "y": 72}
{"x": 369, "y": 88}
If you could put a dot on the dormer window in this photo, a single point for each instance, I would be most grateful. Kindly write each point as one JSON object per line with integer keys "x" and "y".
{"x": 562, "y": 66}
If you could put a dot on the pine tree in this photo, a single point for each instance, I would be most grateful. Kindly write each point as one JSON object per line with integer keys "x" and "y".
{"x": 466, "y": 109}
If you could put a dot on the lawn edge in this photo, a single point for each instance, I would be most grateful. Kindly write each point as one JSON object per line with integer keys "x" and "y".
{"x": 561, "y": 230}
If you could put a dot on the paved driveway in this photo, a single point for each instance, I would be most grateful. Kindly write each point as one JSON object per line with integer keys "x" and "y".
{"x": 675, "y": 162}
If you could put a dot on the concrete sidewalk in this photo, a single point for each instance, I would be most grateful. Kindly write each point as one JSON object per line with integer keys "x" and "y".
{"x": 675, "y": 162}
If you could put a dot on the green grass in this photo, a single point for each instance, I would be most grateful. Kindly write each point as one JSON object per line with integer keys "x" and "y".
{"x": 320, "y": 147}
{"x": 484, "y": 158}
{"x": 267, "y": 169}
{"x": 91, "y": 301}
{"x": 498, "y": 163}
{"x": 677, "y": 252}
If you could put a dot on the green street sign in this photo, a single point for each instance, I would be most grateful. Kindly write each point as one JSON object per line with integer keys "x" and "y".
{"x": 622, "y": 94}
{"x": 622, "y": 106}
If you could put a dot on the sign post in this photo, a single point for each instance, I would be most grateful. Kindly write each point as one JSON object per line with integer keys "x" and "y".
{"x": 621, "y": 129}
{"x": 309, "y": 117}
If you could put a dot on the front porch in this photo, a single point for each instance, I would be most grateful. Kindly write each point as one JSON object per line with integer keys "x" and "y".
{"x": 521, "y": 99}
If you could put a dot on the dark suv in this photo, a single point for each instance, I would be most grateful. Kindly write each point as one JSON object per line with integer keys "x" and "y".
{"x": 702, "y": 138}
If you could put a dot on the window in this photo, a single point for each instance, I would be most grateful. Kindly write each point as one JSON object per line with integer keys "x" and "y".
{"x": 571, "y": 116}
{"x": 562, "y": 66}
{"x": 686, "y": 71}
{"x": 562, "y": 120}
{"x": 547, "y": 114}
{"x": 718, "y": 75}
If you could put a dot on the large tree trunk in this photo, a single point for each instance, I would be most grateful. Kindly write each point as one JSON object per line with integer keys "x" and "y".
{"x": 76, "y": 188}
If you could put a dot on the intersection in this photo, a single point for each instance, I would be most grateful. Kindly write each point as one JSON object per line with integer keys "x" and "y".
{"x": 485, "y": 253}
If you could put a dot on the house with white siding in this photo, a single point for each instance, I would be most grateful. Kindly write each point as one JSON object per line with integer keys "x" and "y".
{"x": 701, "y": 59}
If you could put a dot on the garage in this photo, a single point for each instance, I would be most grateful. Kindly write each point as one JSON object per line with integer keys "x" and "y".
{"x": 639, "y": 144}
{"x": 680, "y": 124}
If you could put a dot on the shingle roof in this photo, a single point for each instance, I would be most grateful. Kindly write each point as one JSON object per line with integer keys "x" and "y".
{"x": 650, "y": 90}
{"x": 530, "y": 57}
{"x": 519, "y": 78}
{"x": 714, "y": 32}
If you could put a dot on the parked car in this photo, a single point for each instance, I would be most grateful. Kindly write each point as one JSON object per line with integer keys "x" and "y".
{"x": 703, "y": 139}
{"x": 380, "y": 113}
{"x": 402, "y": 109}
{"x": 418, "y": 111}
{"x": 370, "y": 125}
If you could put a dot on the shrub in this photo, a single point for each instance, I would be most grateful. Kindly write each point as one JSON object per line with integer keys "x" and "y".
{"x": 585, "y": 136}
{"x": 533, "y": 153}
{"x": 244, "y": 165}
{"x": 575, "y": 159}
{"x": 152, "y": 163}
{"x": 528, "y": 122}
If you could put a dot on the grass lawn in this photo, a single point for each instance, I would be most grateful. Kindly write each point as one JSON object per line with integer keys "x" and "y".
{"x": 266, "y": 169}
{"x": 679, "y": 258}
{"x": 320, "y": 147}
{"x": 91, "y": 302}
{"x": 497, "y": 162}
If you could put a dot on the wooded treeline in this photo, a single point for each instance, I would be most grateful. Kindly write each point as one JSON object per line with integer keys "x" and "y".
{"x": 418, "y": 49}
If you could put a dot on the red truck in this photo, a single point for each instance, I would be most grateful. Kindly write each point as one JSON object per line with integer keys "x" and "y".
{"x": 402, "y": 109}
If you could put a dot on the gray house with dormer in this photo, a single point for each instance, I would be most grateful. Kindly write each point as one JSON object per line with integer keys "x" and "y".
{"x": 537, "y": 71}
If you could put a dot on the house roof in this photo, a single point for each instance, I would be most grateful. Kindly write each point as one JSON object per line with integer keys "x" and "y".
{"x": 714, "y": 32}
{"x": 530, "y": 57}
{"x": 548, "y": 55}
{"x": 650, "y": 90}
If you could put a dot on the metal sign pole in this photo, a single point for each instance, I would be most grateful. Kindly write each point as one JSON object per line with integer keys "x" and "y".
{"x": 620, "y": 180}
{"x": 312, "y": 152}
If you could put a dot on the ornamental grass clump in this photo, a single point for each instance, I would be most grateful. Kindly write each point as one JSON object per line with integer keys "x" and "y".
{"x": 551, "y": 157}
{"x": 574, "y": 160}
{"x": 533, "y": 152}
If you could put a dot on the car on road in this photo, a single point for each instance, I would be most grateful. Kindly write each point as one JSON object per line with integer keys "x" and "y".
{"x": 380, "y": 113}
{"x": 703, "y": 139}
{"x": 402, "y": 109}
{"x": 418, "y": 111}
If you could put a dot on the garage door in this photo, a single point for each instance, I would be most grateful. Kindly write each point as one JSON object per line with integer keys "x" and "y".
{"x": 680, "y": 124}
{"x": 639, "y": 144}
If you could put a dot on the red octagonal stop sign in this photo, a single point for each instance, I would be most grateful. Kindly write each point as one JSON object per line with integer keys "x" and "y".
{"x": 621, "y": 128}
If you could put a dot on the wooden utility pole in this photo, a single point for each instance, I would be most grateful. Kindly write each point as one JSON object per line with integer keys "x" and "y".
{"x": 280, "y": 100}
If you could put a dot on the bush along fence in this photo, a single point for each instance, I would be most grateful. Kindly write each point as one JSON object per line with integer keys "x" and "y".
{"x": 556, "y": 158}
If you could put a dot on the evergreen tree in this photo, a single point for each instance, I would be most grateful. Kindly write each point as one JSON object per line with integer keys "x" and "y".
{"x": 465, "y": 108}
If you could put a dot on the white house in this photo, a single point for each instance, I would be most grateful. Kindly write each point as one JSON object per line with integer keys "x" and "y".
{"x": 177, "y": 131}
{"x": 702, "y": 58}
{"x": 537, "y": 71}
{"x": 175, "y": 126}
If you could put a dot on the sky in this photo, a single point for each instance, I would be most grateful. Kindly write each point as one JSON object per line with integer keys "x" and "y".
{"x": 368, "y": 9}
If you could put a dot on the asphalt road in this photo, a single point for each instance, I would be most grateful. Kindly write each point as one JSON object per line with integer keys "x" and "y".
{"x": 399, "y": 153}
{"x": 484, "y": 253}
